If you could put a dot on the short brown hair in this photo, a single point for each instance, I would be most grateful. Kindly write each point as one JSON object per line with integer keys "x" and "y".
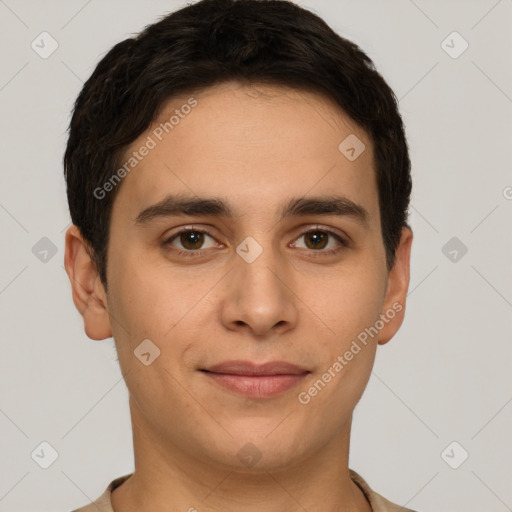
{"x": 212, "y": 41}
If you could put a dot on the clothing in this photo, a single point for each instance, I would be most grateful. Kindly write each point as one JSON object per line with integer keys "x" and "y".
{"x": 377, "y": 502}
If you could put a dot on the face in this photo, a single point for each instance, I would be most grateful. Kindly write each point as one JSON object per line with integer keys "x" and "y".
{"x": 253, "y": 301}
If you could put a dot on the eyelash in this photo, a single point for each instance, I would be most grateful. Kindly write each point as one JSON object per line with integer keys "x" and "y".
{"x": 196, "y": 253}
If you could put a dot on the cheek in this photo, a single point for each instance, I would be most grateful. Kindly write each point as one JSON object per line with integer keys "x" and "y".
{"x": 349, "y": 304}
{"x": 349, "y": 300}
{"x": 149, "y": 301}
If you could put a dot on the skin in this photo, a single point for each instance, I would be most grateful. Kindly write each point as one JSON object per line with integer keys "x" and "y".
{"x": 256, "y": 147}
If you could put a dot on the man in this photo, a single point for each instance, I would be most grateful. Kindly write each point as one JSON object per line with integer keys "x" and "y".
{"x": 238, "y": 180}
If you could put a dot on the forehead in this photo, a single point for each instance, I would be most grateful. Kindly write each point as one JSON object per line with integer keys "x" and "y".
{"x": 251, "y": 143}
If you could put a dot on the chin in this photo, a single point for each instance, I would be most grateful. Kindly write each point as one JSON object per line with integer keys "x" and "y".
{"x": 261, "y": 446}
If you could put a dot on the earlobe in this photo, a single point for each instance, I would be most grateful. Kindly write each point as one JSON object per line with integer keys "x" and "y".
{"x": 88, "y": 291}
{"x": 393, "y": 310}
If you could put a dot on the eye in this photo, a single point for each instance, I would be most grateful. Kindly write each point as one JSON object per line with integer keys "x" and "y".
{"x": 321, "y": 240}
{"x": 192, "y": 242}
{"x": 189, "y": 241}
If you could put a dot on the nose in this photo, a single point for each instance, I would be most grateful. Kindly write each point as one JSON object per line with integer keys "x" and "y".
{"x": 259, "y": 297}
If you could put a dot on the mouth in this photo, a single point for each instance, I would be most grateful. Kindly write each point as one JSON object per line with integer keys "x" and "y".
{"x": 256, "y": 380}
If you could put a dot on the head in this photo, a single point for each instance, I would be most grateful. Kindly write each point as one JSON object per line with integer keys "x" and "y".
{"x": 280, "y": 149}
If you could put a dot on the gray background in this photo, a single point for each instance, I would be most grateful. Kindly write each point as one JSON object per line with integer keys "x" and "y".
{"x": 446, "y": 375}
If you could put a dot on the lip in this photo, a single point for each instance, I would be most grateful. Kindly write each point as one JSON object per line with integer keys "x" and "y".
{"x": 249, "y": 368}
{"x": 256, "y": 380}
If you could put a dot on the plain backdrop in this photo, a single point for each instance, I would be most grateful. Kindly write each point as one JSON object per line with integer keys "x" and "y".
{"x": 444, "y": 378}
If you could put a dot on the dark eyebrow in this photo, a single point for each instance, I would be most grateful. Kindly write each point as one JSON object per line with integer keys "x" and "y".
{"x": 184, "y": 205}
{"x": 197, "y": 206}
{"x": 330, "y": 205}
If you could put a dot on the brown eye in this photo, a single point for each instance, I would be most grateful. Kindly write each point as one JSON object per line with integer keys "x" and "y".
{"x": 192, "y": 239}
{"x": 190, "y": 242}
{"x": 321, "y": 241}
{"x": 316, "y": 239}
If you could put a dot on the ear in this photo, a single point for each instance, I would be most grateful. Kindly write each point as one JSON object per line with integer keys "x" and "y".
{"x": 393, "y": 309}
{"x": 88, "y": 292}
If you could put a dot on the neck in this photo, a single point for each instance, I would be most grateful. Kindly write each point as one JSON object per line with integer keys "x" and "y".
{"x": 166, "y": 478}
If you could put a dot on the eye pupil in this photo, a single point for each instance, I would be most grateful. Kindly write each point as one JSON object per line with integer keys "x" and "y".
{"x": 192, "y": 239}
{"x": 318, "y": 238}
